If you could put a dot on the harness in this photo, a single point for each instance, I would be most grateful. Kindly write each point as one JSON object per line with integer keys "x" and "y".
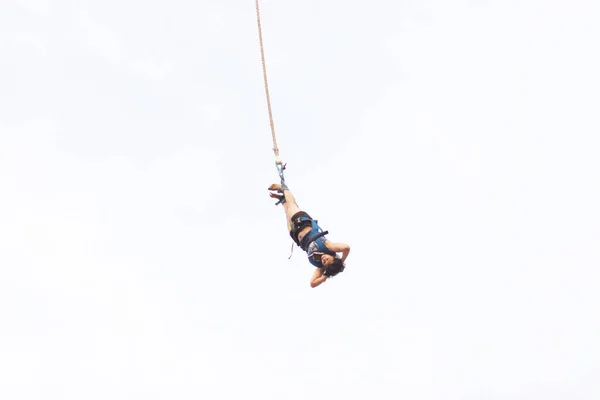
{"x": 313, "y": 242}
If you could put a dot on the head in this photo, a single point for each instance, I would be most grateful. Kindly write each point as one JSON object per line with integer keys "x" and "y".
{"x": 333, "y": 266}
{"x": 327, "y": 260}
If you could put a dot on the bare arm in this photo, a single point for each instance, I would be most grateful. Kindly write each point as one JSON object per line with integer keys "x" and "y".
{"x": 317, "y": 278}
{"x": 339, "y": 248}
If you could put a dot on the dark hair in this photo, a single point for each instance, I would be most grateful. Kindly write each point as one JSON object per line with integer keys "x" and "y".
{"x": 335, "y": 268}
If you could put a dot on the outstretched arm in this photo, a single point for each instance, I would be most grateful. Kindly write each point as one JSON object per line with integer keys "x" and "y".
{"x": 317, "y": 278}
{"x": 339, "y": 248}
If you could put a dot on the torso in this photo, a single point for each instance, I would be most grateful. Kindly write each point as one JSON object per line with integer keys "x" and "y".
{"x": 303, "y": 232}
{"x": 314, "y": 248}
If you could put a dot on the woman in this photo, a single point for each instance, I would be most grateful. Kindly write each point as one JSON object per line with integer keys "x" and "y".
{"x": 307, "y": 234}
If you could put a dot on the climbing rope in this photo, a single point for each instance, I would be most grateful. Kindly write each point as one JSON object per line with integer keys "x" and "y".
{"x": 280, "y": 165}
{"x": 264, "y": 67}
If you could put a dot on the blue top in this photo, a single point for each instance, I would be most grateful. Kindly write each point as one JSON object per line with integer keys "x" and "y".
{"x": 316, "y": 247}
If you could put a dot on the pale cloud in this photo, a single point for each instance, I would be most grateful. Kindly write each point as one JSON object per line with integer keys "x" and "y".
{"x": 108, "y": 44}
{"x": 35, "y": 6}
{"x": 452, "y": 146}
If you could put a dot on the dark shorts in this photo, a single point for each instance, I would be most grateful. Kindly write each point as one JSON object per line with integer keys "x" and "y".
{"x": 299, "y": 220}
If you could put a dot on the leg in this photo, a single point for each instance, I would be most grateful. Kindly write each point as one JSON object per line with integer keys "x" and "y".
{"x": 290, "y": 206}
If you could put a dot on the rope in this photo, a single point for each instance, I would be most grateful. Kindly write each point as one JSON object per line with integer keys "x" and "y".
{"x": 264, "y": 67}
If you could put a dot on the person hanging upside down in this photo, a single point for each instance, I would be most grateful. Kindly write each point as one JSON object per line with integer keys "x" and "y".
{"x": 307, "y": 234}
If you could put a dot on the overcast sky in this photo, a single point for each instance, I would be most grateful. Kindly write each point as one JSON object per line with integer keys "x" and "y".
{"x": 453, "y": 144}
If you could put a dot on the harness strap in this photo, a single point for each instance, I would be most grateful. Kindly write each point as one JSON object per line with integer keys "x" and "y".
{"x": 313, "y": 238}
{"x": 281, "y": 198}
{"x": 281, "y": 168}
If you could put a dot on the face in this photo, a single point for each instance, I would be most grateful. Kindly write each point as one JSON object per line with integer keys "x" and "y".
{"x": 327, "y": 260}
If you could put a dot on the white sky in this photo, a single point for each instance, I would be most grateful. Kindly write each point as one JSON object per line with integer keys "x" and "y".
{"x": 453, "y": 145}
